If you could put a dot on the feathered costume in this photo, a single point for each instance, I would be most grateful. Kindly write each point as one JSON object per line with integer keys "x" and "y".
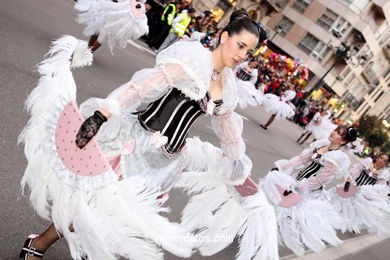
{"x": 115, "y": 23}
{"x": 280, "y": 106}
{"x": 305, "y": 217}
{"x": 248, "y": 95}
{"x": 366, "y": 204}
{"x": 108, "y": 190}
{"x": 320, "y": 126}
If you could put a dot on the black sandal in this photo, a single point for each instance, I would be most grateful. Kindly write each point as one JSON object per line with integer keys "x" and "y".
{"x": 27, "y": 250}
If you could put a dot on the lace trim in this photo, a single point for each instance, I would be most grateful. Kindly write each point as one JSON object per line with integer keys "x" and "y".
{"x": 196, "y": 93}
{"x": 85, "y": 183}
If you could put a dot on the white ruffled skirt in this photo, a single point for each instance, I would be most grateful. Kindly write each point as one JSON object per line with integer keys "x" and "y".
{"x": 302, "y": 221}
{"x": 368, "y": 208}
{"x": 248, "y": 95}
{"x": 116, "y": 23}
{"x": 322, "y": 130}
{"x": 275, "y": 106}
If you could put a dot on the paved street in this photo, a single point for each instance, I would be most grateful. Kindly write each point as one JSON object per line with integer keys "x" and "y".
{"x": 27, "y": 27}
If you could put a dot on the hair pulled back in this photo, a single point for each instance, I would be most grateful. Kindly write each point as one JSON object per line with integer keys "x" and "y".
{"x": 350, "y": 134}
{"x": 239, "y": 21}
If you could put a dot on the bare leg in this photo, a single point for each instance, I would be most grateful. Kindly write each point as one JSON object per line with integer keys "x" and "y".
{"x": 45, "y": 240}
{"x": 270, "y": 120}
{"x": 302, "y": 135}
{"x": 307, "y": 137}
{"x": 92, "y": 39}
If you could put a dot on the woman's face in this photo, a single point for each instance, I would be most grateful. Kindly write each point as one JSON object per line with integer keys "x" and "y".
{"x": 337, "y": 136}
{"x": 235, "y": 48}
{"x": 382, "y": 161}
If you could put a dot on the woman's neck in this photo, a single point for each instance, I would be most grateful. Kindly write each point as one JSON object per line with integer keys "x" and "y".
{"x": 333, "y": 147}
{"x": 217, "y": 60}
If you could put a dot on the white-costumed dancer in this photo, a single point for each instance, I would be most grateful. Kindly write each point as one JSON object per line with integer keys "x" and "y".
{"x": 113, "y": 22}
{"x": 140, "y": 157}
{"x": 363, "y": 199}
{"x": 320, "y": 127}
{"x": 222, "y": 208}
{"x": 279, "y": 106}
{"x": 304, "y": 215}
{"x": 247, "y": 74}
{"x": 93, "y": 200}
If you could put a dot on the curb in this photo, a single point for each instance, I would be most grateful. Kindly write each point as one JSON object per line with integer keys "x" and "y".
{"x": 349, "y": 246}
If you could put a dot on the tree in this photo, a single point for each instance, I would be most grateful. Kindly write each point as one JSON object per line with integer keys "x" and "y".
{"x": 377, "y": 138}
{"x": 386, "y": 147}
{"x": 368, "y": 124}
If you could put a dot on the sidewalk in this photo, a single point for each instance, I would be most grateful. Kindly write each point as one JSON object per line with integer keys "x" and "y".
{"x": 361, "y": 247}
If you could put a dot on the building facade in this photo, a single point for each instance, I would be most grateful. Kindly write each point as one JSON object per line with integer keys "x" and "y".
{"x": 346, "y": 45}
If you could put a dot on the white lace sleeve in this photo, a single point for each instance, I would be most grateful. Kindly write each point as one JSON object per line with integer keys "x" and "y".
{"x": 384, "y": 176}
{"x": 354, "y": 172}
{"x": 287, "y": 166}
{"x": 357, "y": 168}
{"x": 322, "y": 178}
{"x": 228, "y": 128}
{"x": 254, "y": 76}
{"x": 145, "y": 86}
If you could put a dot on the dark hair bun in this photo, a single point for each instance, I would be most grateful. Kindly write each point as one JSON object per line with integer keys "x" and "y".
{"x": 240, "y": 20}
{"x": 239, "y": 14}
{"x": 351, "y": 134}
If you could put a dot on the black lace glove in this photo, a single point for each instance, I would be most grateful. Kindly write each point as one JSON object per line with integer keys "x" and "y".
{"x": 89, "y": 128}
{"x": 346, "y": 186}
{"x": 287, "y": 192}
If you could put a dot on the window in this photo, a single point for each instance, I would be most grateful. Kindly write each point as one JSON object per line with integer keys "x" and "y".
{"x": 379, "y": 96}
{"x": 327, "y": 19}
{"x": 346, "y": 72}
{"x": 285, "y": 24}
{"x": 366, "y": 54}
{"x": 349, "y": 80}
{"x": 301, "y": 5}
{"x": 366, "y": 111}
{"x": 355, "y": 5}
{"x": 332, "y": 22}
{"x": 370, "y": 74}
{"x": 313, "y": 47}
{"x": 352, "y": 100}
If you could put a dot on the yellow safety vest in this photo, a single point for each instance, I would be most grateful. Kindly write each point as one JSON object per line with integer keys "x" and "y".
{"x": 171, "y": 15}
{"x": 182, "y": 25}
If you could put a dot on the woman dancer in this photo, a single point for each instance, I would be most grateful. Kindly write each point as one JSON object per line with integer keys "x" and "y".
{"x": 115, "y": 22}
{"x": 368, "y": 205}
{"x": 247, "y": 74}
{"x": 313, "y": 219}
{"x": 150, "y": 145}
{"x": 279, "y": 105}
{"x": 320, "y": 127}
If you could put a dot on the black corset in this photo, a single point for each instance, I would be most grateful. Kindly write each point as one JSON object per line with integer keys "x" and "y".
{"x": 365, "y": 178}
{"x": 243, "y": 75}
{"x": 311, "y": 169}
{"x": 173, "y": 115}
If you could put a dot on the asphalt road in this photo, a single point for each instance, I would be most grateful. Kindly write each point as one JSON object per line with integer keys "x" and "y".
{"x": 26, "y": 29}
